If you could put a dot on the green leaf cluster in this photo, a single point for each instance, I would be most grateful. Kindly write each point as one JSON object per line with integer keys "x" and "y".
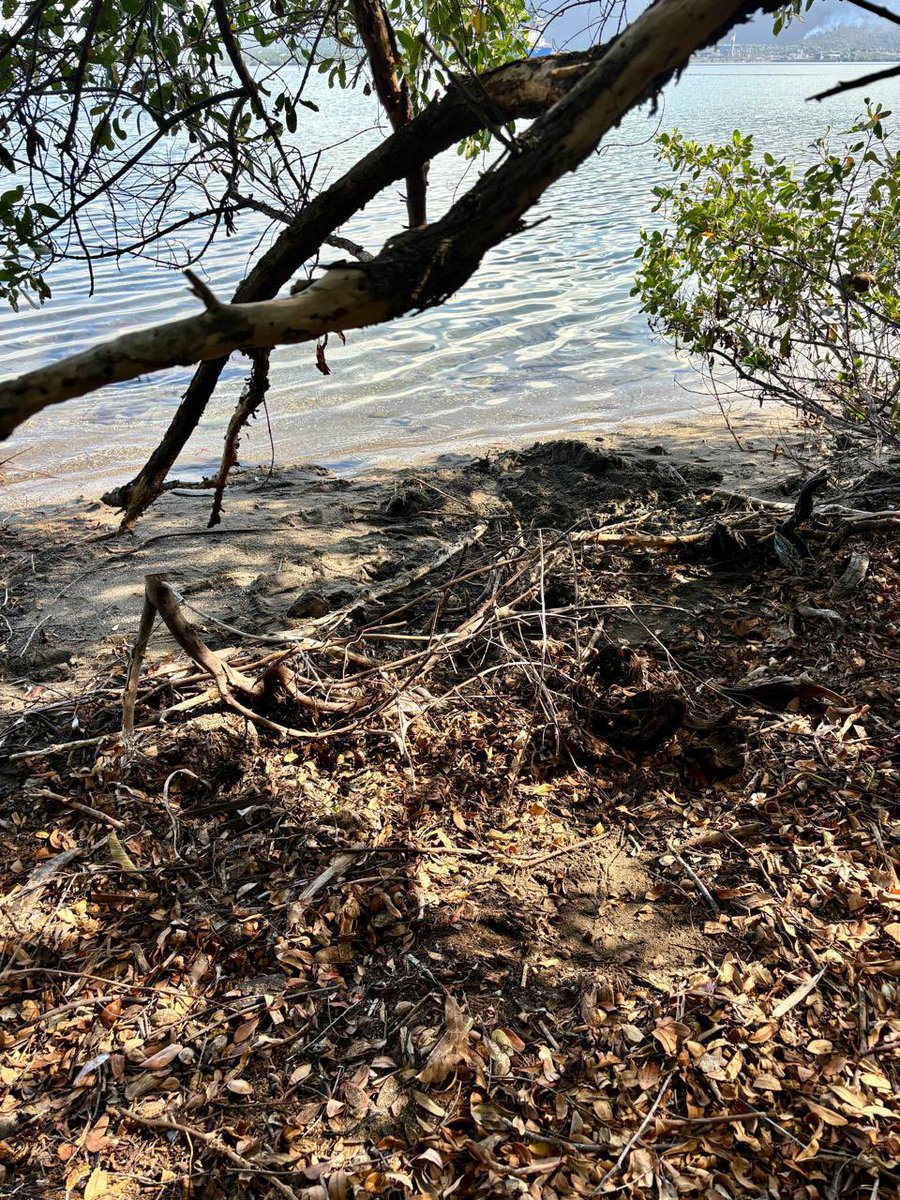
{"x": 117, "y": 109}
{"x": 788, "y": 13}
{"x": 786, "y": 273}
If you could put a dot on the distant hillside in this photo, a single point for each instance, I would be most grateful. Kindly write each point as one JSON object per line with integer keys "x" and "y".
{"x": 846, "y": 39}
{"x": 828, "y": 18}
{"x": 832, "y": 26}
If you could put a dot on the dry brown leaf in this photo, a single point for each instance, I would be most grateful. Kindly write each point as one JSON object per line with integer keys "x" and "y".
{"x": 849, "y": 1097}
{"x": 162, "y": 1058}
{"x": 509, "y": 1039}
{"x": 119, "y": 854}
{"x": 670, "y": 1034}
{"x": 244, "y": 1031}
{"x": 428, "y": 1104}
{"x": 820, "y": 1046}
{"x": 828, "y": 1115}
{"x": 109, "y": 1014}
{"x": 240, "y": 1087}
{"x": 765, "y": 1082}
{"x": 432, "y": 1156}
{"x": 89, "y": 1068}
{"x": 453, "y": 1049}
{"x": 97, "y": 1186}
{"x": 798, "y": 994}
{"x": 549, "y": 1074}
{"x": 810, "y": 1150}
{"x": 97, "y": 1138}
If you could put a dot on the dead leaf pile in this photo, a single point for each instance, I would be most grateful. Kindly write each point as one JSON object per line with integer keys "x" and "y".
{"x": 599, "y": 896}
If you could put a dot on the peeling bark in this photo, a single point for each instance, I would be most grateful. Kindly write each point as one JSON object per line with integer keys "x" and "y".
{"x": 341, "y": 298}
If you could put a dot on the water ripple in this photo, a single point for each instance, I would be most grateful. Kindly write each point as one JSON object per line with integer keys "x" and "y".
{"x": 546, "y": 337}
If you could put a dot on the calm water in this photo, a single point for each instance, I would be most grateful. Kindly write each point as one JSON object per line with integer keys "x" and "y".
{"x": 546, "y": 338}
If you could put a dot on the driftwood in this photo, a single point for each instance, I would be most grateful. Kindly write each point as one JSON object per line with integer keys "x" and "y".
{"x": 160, "y": 599}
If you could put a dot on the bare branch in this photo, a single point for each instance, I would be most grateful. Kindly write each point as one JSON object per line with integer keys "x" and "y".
{"x": 850, "y": 85}
{"x": 203, "y": 292}
{"x": 248, "y": 83}
{"x": 252, "y": 398}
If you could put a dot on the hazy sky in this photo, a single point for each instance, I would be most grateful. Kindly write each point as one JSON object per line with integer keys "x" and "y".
{"x": 572, "y": 27}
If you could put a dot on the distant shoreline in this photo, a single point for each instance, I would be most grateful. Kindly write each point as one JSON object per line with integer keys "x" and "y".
{"x": 757, "y": 60}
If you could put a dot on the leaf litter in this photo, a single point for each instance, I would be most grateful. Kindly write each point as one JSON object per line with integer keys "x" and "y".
{"x": 582, "y": 881}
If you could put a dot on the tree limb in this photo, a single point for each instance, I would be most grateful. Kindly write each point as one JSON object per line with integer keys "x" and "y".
{"x": 521, "y": 89}
{"x": 252, "y": 397}
{"x": 850, "y": 85}
{"x": 422, "y": 267}
{"x": 392, "y": 89}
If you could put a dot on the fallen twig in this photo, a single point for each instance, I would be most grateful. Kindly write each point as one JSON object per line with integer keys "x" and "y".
{"x": 650, "y": 541}
{"x": 208, "y": 1139}
{"x": 714, "y": 837}
{"x": 698, "y": 883}
{"x": 89, "y": 810}
{"x": 626, "y": 1149}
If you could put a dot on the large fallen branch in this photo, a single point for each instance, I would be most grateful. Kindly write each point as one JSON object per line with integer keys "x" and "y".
{"x": 422, "y": 267}
{"x": 160, "y": 599}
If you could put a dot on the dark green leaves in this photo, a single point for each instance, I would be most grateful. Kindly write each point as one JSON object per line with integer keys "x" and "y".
{"x": 791, "y": 278}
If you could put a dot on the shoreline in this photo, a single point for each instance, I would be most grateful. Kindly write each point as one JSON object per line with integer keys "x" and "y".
{"x": 30, "y": 490}
{"x": 794, "y": 62}
{"x": 304, "y": 535}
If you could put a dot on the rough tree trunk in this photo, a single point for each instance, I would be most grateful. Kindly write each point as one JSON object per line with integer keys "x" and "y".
{"x": 393, "y": 91}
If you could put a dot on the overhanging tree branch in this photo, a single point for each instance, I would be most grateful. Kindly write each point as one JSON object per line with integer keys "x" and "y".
{"x": 521, "y": 89}
{"x": 422, "y": 267}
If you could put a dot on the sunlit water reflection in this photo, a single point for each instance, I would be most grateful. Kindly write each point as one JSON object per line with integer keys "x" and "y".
{"x": 546, "y": 338}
